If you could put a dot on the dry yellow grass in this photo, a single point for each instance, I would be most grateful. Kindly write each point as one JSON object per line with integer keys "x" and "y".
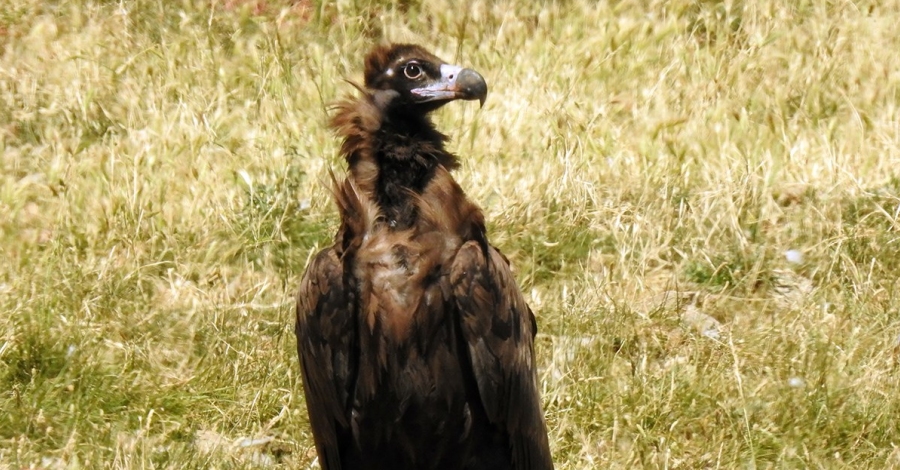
{"x": 701, "y": 200}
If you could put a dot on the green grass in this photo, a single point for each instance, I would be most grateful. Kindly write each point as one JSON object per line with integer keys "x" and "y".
{"x": 161, "y": 189}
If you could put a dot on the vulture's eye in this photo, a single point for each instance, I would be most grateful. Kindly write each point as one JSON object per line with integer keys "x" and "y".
{"x": 412, "y": 71}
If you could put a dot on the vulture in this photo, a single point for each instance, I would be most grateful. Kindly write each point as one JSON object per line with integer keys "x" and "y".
{"x": 416, "y": 345}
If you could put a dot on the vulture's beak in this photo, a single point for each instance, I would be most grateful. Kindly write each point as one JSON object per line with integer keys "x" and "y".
{"x": 455, "y": 83}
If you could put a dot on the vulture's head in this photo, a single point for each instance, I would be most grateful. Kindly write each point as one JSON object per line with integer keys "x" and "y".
{"x": 411, "y": 77}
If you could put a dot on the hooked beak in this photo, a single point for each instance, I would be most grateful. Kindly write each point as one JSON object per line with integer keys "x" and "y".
{"x": 455, "y": 83}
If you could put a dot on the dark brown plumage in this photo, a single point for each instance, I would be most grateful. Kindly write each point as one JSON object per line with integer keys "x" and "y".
{"x": 416, "y": 344}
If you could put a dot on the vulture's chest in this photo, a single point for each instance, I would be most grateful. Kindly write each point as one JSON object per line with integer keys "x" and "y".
{"x": 410, "y": 368}
{"x": 403, "y": 283}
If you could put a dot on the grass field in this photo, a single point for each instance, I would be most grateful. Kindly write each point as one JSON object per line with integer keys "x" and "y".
{"x": 701, "y": 201}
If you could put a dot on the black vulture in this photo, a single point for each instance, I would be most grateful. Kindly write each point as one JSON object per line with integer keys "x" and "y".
{"x": 415, "y": 343}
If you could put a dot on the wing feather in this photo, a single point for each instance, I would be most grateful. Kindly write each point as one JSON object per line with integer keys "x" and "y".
{"x": 499, "y": 329}
{"x": 327, "y": 351}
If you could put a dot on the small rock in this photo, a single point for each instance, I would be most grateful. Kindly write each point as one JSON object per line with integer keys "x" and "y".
{"x": 208, "y": 442}
{"x": 261, "y": 459}
{"x": 249, "y": 442}
{"x": 711, "y": 333}
{"x": 702, "y": 323}
{"x": 793, "y": 256}
{"x": 52, "y": 462}
{"x": 790, "y": 289}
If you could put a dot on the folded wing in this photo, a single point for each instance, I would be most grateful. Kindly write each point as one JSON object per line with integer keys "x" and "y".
{"x": 499, "y": 329}
{"x": 326, "y": 344}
